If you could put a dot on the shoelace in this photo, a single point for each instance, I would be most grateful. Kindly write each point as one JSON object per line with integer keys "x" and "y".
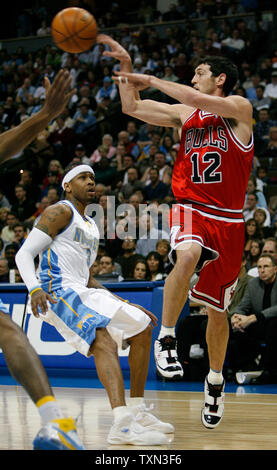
{"x": 143, "y": 409}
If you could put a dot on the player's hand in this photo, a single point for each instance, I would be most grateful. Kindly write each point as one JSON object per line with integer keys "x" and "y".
{"x": 117, "y": 51}
{"x": 154, "y": 319}
{"x": 39, "y": 300}
{"x": 58, "y": 93}
{"x": 137, "y": 80}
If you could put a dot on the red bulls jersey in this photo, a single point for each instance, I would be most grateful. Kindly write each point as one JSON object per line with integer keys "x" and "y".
{"x": 212, "y": 168}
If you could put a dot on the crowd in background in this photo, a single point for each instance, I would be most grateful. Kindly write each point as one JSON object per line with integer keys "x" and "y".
{"x": 133, "y": 161}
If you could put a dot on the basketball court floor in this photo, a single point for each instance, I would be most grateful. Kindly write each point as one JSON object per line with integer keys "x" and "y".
{"x": 249, "y": 421}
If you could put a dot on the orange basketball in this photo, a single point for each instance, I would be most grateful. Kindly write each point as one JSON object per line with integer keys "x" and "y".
{"x": 74, "y": 30}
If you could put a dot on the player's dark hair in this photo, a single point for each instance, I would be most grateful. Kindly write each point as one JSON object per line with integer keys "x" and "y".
{"x": 220, "y": 64}
{"x": 70, "y": 166}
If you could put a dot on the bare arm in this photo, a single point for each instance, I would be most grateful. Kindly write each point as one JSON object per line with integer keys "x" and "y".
{"x": 234, "y": 106}
{"x": 54, "y": 219}
{"x": 57, "y": 96}
{"x": 150, "y": 111}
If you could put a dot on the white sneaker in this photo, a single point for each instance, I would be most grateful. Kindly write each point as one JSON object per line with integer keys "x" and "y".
{"x": 149, "y": 421}
{"x": 213, "y": 409}
{"x": 128, "y": 431}
{"x": 167, "y": 364}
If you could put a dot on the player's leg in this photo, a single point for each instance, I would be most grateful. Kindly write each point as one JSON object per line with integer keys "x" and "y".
{"x": 125, "y": 428}
{"x": 139, "y": 355}
{"x": 25, "y": 366}
{"x": 104, "y": 350}
{"x": 217, "y": 335}
{"x": 176, "y": 290}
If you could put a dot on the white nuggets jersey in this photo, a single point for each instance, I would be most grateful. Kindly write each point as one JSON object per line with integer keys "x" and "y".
{"x": 68, "y": 259}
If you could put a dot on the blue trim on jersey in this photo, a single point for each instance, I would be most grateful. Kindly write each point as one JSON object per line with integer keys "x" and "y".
{"x": 3, "y": 307}
{"x": 77, "y": 316}
{"x": 50, "y": 275}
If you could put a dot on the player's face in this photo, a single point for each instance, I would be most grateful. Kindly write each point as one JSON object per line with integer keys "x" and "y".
{"x": 83, "y": 187}
{"x": 203, "y": 80}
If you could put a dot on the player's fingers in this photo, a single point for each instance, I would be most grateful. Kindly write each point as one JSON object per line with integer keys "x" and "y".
{"x": 51, "y": 299}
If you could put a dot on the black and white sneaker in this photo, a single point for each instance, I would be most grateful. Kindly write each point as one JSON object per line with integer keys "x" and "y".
{"x": 167, "y": 364}
{"x": 213, "y": 409}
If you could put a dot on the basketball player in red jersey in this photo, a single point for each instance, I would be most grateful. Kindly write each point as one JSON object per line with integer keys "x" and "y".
{"x": 209, "y": 183}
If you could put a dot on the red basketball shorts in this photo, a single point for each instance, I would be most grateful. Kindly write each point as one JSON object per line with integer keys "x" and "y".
{"x": 223, "y": 244}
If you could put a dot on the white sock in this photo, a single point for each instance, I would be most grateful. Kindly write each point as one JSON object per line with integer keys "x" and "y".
{"x": 49, "y": 409}
{"x": 135, "y": 401}
{"x": 119, "y": 412}
{"x": 215, "y": 377}
{"x": 167, "y": 331}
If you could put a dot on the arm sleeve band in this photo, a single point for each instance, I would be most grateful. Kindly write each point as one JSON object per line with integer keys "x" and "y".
{"x": 36, "y": 242}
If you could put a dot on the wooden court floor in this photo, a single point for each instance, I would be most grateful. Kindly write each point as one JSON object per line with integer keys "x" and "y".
{"x": 249, "y": 421}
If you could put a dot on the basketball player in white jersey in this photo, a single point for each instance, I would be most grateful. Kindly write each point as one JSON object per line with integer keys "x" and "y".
{"x": 57, "y": 432}
{"x": 64, "y": 293}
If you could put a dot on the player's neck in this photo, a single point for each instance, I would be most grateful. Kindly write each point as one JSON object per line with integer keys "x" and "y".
{"x": 79, "y": 206}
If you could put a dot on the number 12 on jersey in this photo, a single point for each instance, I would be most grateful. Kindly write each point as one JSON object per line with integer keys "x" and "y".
{"x": 209, "y": 174}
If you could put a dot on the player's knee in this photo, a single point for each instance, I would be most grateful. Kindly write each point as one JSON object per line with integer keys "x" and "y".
{"x": 185, "y": 264}
{"x": 8, "y": 329}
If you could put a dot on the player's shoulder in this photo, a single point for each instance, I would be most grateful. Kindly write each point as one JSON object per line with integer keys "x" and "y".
{"x": 239, "y": 100}
{"x": 183, "y": 111}
{"x": 58, "y": 210}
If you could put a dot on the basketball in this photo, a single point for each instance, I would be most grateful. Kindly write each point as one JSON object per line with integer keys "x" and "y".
{"x": 74, "y": 30}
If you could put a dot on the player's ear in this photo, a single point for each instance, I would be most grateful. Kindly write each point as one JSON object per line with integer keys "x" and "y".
{"x": 221, "y": 79}
{"x": 67, "y": 188}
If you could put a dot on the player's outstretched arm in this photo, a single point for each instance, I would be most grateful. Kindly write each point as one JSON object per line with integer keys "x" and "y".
{"x": 233, "y": 106}
{"x": 58, "y": 95}
{"x": 150, "y": 111}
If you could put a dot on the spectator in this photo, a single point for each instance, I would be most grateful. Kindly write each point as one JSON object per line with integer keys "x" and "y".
{"x": 53, "y": 182}
{"x": 261, "y": 216}
{"x": 141, "y": 271}
{"x": 149, "y": 233}
{"x": 155, "y": 266}
{"x": 254, "y": 321}
{"x": 104, "y": 172}
{"x": 250, "y": 206}
{"x": 20, "y": 234}
{"x": 81, "y": 154}
{"x": 156, "y": 189}
{"x": 271, "y": 88}
{"x": 107, "y": 141}
{"x": 4, "y": 211}
{"x": 4, "y": 270}
{"x": 163, "y": 248}
{"x": 31, "y": 186}
{"x": 269, "y": 248}
{"x": 252, "y": 188}
{"x": 128, "y": 257}
{"x": 260, "y": 102}
{"x": 54, "y": 165}
{"x": 7, "y": 233}
{"x": 133, "y": 183}
{"x": 61, "y": 138}
{"x": 53, "y": 195}
{"x": 252, "y": 232}
{"x": 261, "y": 130}
{"x": 3, "y": 200}
{"x": 107, "y": 270}
{"x": 131, "y": 148}
{"x": 254, "y": 253}
{"x": 108, "y": 90}
{"x": 84, "y": 121}
{"x": 23, "y": 93}
{"x": 10, "y": 251}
